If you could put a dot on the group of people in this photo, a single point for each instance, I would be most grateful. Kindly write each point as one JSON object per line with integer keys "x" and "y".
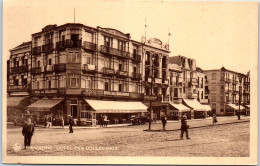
{"x": 103, "y": 120}
{"x": 184, "y": 125}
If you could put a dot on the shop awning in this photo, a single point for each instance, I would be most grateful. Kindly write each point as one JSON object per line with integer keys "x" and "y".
{"x": 180, "y": 107}
{"x": 195, "y": 105}
{"x": 207, "y": 107}
{"x": 17, "y": 102}
{"x": 44, "y": 104}
{"x": 101, "y": 106}
{"x": 236, "y": 107}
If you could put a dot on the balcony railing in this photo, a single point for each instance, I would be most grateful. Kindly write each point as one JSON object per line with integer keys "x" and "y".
{"x": 228, "y": 90}
{"x": 114, "y": 51}
{"x": 165, "y": 81}
{"x": 227, "y": 80}
{"x": 235, "y": 92}
{"x": 36, "y": 70}
{"x": 108, "y": 71}
{"x": 234, "y": 82}
{"x": 47, "y": 47}
{"x": 90, "y": 46}
{"x": 123, "y": 74}
{"x": 61, "y": 67}
{"x": 136, "y": 57}
{"x": 61, "y": 45}
{"x": 36, "y": 50}
{"x": 20, "y": 69}
{"x": 137, "y": 76}
{"x": 88, "y": 68}
{"x": 246, "y": 91}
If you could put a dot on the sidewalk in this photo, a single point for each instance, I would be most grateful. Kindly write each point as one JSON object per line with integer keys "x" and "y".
{"x": 197, "y": 123}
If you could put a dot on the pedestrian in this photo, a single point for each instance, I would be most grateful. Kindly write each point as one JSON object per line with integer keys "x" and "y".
{"x": 164, "y": 121}
{"x": 70, "y": 124}
{"x": 28, "y": 131}
{"x": 45, "y": 121}
{"x": 105, "y": 120}
{"x": 214, "y": 118}
{"x": 184, "y": 127}
{"x": 101, "y": 120}
{"x": 62, "y": 122}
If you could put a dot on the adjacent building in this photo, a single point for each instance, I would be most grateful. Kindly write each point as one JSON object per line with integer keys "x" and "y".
{"x": 225, "y": 89}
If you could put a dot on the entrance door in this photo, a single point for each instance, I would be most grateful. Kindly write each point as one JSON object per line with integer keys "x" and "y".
{"x": 74, "y": 111}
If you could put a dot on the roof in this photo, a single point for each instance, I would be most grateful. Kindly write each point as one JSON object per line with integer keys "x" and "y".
{"x": 44, "y": 104}
{"x": 101, "y": 106}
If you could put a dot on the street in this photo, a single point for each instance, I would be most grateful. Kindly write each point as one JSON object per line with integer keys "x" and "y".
{"x": 228, "y": 140}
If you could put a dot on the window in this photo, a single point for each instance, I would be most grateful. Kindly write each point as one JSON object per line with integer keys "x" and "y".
{"x": 120, "y": 68}
{"x": 107, "y": 86}
{"x": 38, "y": 63}
{"x": 73, "y": 81}
{"x": 213, "y": 98}
{"x": 183, "y": 89}
{"x": 213, "y": 76}
{"x": 201, "y": 95}
{"x": 49, "y": 61}
{"x": 108, "y": 41}
{"x": 213, "y": 87}
{"x": 120, "y": 88}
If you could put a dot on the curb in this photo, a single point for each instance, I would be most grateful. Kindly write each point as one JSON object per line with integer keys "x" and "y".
{"x": 197, "y": 126}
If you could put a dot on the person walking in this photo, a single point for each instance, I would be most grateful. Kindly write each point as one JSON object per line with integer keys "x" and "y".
{"x": 62, "y": 122}
{"x": 105, "y": 120}
{"x": 214, "y": 118}
{"x": 70, "y": 124}
{"x": 28, "y": 131}
{"x": 164, "y": 121}
{"x": 184, "y": 127}
{"x": 101, "y": 120}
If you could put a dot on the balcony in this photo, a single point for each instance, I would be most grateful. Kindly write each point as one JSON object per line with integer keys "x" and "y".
{"x": 165, "y": 81}
{"x": 227, "y": 80}
{"x": 36, "y": 70}
{"x": 19, "y": 69}
{"x": 36, "y": 50}
{"x": 92, "y": 92}
{"x": 61, "y": 45}
{"x": 194, "y": 81}
{"x": 123, "y": 74}
{"x": 235, "y": 92}
{"x": 234, "y": 82}
{"x": 158, "y": 80}
{"x": 192, "y": 95}
{"x": 47, "y": 47}
{"x": 114, "y": 51}
{"x": 108, "y": 71}
{"x": 90, "y": 46}
{"x": 88, "y": 68}
{"x": 228, "y": 90}
{"x": 136, "y": 57}
{"x": 246, "y": 92}
{"x": 137, "y": 76}
{"x": 60, "y": 67}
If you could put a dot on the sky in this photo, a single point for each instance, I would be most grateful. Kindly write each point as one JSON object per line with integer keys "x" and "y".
{"x": 215, "y": 34}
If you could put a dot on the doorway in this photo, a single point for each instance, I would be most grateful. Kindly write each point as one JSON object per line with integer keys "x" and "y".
{"x": 74, "y": 111}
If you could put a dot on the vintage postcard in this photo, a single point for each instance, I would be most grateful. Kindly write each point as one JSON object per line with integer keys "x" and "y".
{"x": 130, "y": 82}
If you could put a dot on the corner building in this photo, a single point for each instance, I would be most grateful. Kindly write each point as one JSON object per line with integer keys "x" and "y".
{"x": 74, "y": 65}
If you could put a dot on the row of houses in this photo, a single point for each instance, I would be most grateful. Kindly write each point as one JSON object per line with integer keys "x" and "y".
{"x": 77, "y": 70}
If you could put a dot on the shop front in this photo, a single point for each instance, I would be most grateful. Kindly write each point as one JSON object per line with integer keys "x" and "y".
{"x": 114, "y": 111}
{"x": 176, "y": 110}
{"x": 16, "y": 106}
{"x": 198, "y": 110}
{"x": 48, "y": 107}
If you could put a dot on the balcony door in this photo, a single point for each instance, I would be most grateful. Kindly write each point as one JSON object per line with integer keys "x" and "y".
{"x": 74, "y": 38}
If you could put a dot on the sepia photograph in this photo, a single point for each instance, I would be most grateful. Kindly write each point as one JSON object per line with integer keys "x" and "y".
{"x": 130, "y": 82}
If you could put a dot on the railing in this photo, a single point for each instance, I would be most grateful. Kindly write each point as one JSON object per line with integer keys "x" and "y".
{"x": 61, "y": 45}
{"x": 36, "y": 50}
{"x": 235, "y": 92}
{"x": 88, "y": 68}
{"x": 165, "y": 81}
{"x": 227, "y": 80}
{"x": 122, "y": 73}
{"x": 228, "y": 90}
{"x": 36, "y": 70}
{"x": 90, "y": 46}
{"x": 20, "y": 69}
{"x": 47, "y": 47}
{"x": 234, "y": 82}
{"x": 193, "y": 81}
{"x": 136, "y": 57}
{"x": 108, "y": 71}
{"x": 137, "y": 76}
{"x": 61, "y": 67}
{"x": 246, "y": 91}
{"x": 114, "y": 51}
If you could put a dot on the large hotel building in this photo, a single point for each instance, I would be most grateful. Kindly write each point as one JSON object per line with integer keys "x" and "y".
{"x": 77, "y": 70}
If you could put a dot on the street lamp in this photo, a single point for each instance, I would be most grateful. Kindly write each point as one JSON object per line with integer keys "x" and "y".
{"x": 152, "y": 77}
{"x": 239, "y": 99}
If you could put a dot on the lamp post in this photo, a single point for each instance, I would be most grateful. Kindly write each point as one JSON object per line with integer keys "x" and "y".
{"x": 239, "y": 99}
{"x": 152, "y": 77}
